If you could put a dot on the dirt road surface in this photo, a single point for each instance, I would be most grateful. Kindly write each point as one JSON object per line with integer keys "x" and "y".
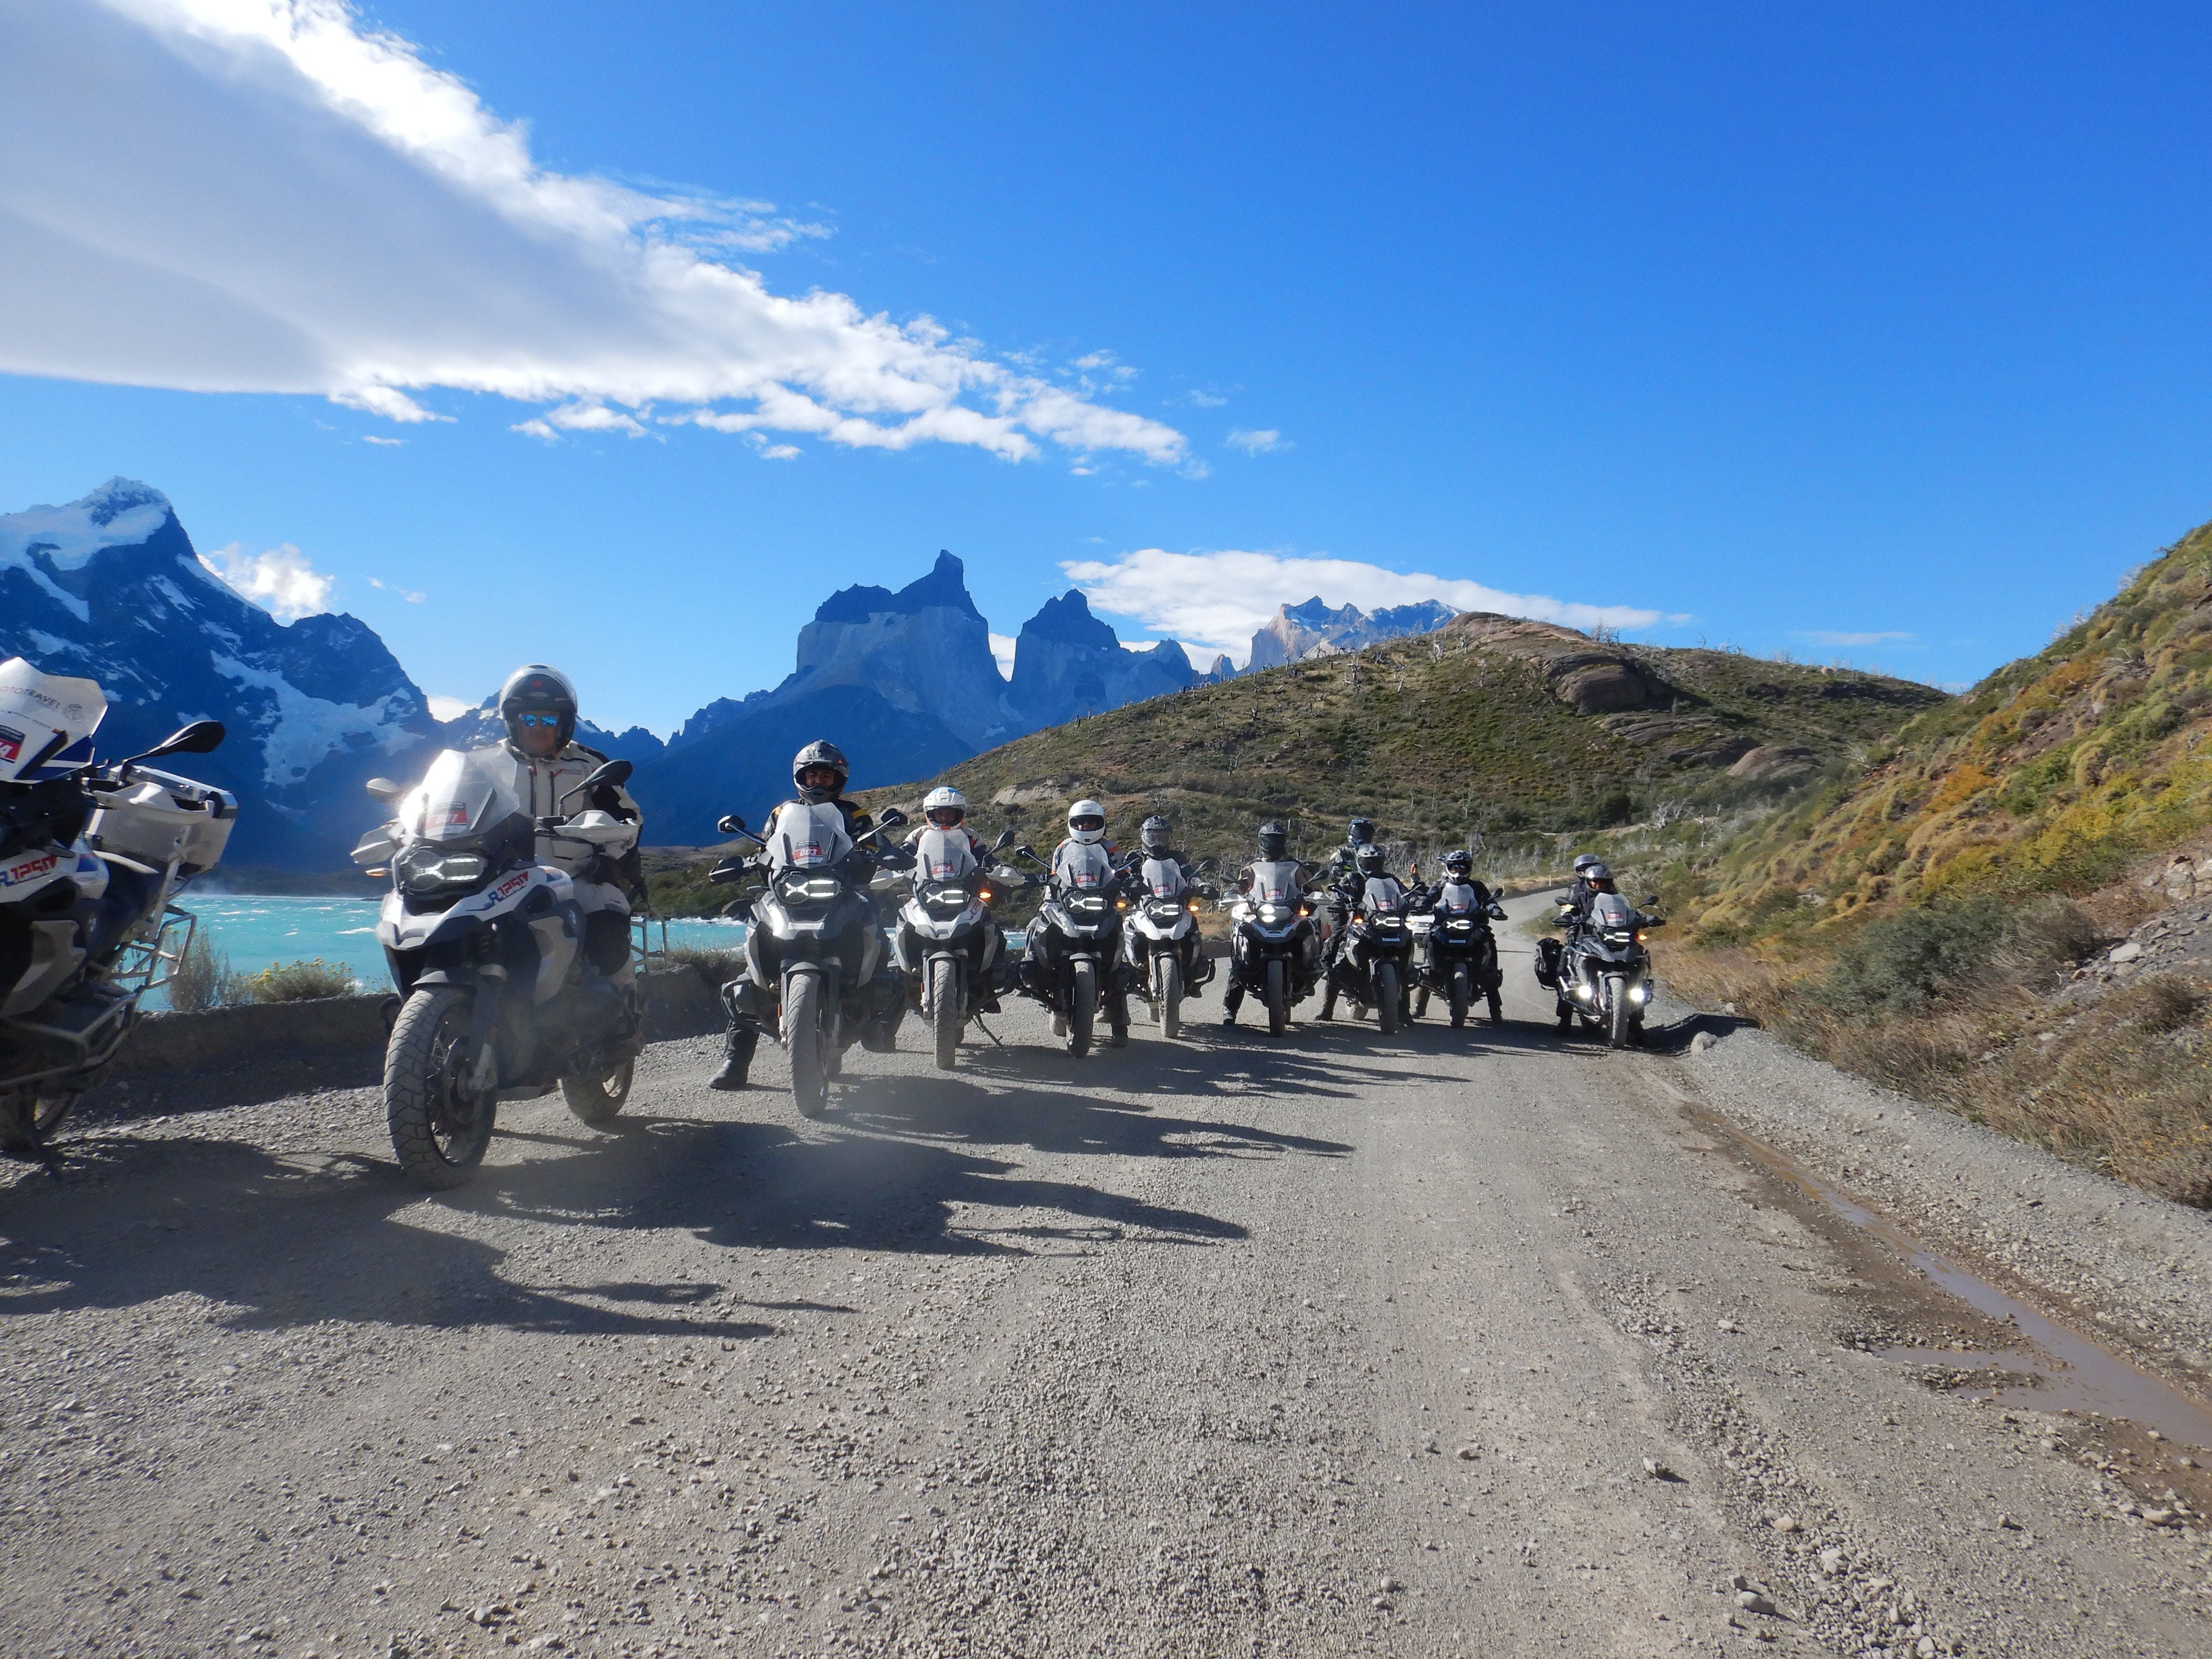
{"x": 1473, "y": 1343}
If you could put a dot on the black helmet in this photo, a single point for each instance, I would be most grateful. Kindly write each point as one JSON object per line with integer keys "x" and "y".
{"x": 1370, "y": 859}
{"x": 1154, "y": 834}
{"x": 1459, "y": 864}
{"x": 1361, "y": 832}
{"x": 1598, "y": 876}
{"x": 536, "y": 691}
{"x": 1274, "y": 841}
{"x": 819, "y": 753}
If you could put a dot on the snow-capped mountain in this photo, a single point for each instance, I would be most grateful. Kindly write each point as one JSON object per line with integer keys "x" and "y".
{"x": 1296, "y": 632}
{"x": 110, "y": 587}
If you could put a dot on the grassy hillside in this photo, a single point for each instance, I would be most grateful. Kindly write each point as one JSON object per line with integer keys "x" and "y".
{"x": 1490, "y": 732}
{"x": 1940, "y": 924}
{"x": 2052, "y": 776}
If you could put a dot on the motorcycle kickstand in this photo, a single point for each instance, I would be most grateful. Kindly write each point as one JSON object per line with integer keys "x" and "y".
{"x": 987, "y": 1031}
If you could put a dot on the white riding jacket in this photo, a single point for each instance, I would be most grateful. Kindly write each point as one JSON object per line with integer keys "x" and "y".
{"x": 539, "y": 785}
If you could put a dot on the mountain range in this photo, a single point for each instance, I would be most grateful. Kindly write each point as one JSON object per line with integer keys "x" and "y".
{"x": 112, "y": 588}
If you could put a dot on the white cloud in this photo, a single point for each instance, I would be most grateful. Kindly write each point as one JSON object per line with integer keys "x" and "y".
{"x": 1197, "y": 399}
{"x": 386, "y": 443}
{"x": 269, "y": 196}
{"x": 1002, "y": 653}
{"x": 1216, "y": 601}
{"x": 1256, "y": 443}
{"x": 412, "y": 598}
{"x": 281, "y": 581}
{"x": 1830, "y": 636}
{"x": 449, "y": 708}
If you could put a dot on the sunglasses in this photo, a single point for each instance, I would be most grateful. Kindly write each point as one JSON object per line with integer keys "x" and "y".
{"x": 538, "y": 719}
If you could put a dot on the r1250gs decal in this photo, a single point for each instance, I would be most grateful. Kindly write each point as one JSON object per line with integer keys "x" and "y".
{"x": 28, "y": 870}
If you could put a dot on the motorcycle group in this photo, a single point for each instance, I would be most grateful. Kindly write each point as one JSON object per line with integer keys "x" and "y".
{"x": 514, "y": 874}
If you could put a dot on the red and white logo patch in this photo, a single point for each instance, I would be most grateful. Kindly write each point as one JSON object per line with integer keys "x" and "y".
{"x": 11, "y": 743}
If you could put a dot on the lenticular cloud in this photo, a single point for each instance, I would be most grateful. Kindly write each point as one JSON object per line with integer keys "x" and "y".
{"x": 264, "y": 196}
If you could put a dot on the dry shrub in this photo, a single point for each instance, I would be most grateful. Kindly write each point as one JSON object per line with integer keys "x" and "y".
{"x": 2125, "y": 1088}
{"x": 203, "y": 979}
{"x": 296, "y": 982}
{"x": 719, "y": 968}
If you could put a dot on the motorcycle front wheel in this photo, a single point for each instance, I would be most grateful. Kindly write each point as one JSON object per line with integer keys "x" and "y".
{"x": 948, "y": 1009}
{"x": 1616, "y": 1013}
{"x": 1460, "y": 993}
{"x": 439, "y": 1130}
{"x": 1082, "y": 1005}
{"x": 1279, "y": 999}
{"x": 27, "y": 1120}
{"x": 596, "y": 1097}
{"x": 802, "y": 1042}
{"x": 1389, "y": 1001}
{"x": 1168, "y": 994}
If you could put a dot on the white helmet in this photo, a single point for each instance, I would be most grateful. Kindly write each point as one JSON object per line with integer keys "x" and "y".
{"x": 1086, "y": 823}
{"x": 944, "y": 799}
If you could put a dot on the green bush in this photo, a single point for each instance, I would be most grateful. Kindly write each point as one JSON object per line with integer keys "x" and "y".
{"x": 1896, "y": 964}
{"x": 296, "y": 982}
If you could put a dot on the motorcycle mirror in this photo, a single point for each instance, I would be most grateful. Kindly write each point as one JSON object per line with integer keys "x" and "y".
{"x": 730, "y": 825}
{"x": 385, "y": 789}
{"x": 1005, "y": 840}
{"x": 200, "y": 738}
{"x": 1652, "y": 899}
{"x": 613, "y": 774}
{"x": 728, "y": 871}
{"x": 891, "y": 819}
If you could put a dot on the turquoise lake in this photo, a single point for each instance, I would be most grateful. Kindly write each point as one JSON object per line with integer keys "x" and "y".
{"x": 255, "y": 931}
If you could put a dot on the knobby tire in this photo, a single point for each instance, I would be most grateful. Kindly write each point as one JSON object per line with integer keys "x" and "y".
{"x": 1081, "y": 1006}
{"x": 599, "y": 1097}
{"x": 1390, "y": 1001}
{"x": 948, "y": 1009}
{"x": 802, "y": 1042}
{"x": 1279, "y": 999}
{"x": 439, "y": 1139}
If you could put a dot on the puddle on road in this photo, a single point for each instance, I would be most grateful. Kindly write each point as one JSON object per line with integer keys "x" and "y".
{"x": 2071, "y": 1371}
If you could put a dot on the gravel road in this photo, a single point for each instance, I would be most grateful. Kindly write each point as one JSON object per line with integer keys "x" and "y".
{"x": 1470, "y": 1343}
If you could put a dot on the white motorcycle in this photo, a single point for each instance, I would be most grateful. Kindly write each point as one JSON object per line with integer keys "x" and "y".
{"x": 91, "y": 857}
{"x": 1160, "y": 940}
{"x": 947, "y": 942}
{"x": 486, "y": 945}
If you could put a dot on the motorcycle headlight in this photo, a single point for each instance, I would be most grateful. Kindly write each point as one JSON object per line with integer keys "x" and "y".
{"x": 1619, "y": 938}
{"x": 1274, "y": 914}
{"x": 808, "y": 887}
{"x": 1636, "y": 993}
{"x": 1461, "y": 927}
{"x": 426, "y": 869}
{"x": 1582, "y": 992}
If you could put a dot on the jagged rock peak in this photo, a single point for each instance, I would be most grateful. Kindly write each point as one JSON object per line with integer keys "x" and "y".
{"x": 946, "y": 586}
{"x": 1296, "y": 632}
{"x": 1067, "y": 621}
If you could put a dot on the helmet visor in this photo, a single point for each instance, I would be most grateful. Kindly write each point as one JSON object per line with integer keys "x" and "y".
{"x": 946, "y": 817}
{"x": 1087, "y": 821}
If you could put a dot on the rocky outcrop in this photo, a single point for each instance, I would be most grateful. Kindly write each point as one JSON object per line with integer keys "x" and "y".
{"x": 1068, "y": 664}
{"x": 111, "y": 588}
{"x": 1777, "y": 764}
{"x": 1590, "y": 676}
{"x": 1298, "y": 633}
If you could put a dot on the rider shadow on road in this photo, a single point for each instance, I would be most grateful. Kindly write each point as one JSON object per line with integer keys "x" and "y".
{"x": 278, "y": 1241}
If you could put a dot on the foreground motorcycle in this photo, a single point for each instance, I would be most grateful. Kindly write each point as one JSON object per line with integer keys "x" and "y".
{"x": 948, "y": 944}
{"x": 1605, "y": 972}
{"x": 1456, "y": 954}
{"x": 1160, "y": 944}
{"x": 1373, "y": 967}
{"x": 1275, "y": 940}
{"x": 499, "y": 1002}
{"x": 1076, "y": 954}
{"x": 91, "y": 857}
{"x": 814, "y": 946}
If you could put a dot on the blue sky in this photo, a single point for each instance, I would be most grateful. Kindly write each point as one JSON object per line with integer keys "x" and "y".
{"x": 1874, "y": 334}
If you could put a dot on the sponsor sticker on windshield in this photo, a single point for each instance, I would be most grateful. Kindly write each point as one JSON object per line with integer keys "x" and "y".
{"x": 457, "y": 818}
{"x": 11, "y": 743}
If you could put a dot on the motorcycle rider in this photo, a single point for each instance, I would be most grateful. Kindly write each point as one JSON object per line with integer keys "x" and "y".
{"x": 1458, "y": 866}
{"x": 1578, "y": 895}
{"x": 1275, "y": 851}
{"x": 1075, "y": 863}
{"x": 819, "y": 774}
{"x": 1155, "y": 839}
{"x": 1343, "y": 867}
{"x": 1369, "y": 863}
{"x": 540, "y": 761}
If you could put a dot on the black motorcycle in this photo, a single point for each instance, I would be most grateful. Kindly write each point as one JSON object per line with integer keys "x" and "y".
{"x": 1374, "y": 965}
{"x": 1075, "y": 967}
{"x": 817, "y": 972}
{"x": 1455, "y": 953}
{"x": 1275, "y": 946}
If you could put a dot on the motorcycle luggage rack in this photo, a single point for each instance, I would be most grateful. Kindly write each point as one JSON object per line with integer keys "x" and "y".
{"x": 641, "y": 946}
{"x": 148, "y": 963}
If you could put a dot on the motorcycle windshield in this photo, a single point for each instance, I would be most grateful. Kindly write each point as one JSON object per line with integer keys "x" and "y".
{"x": 46, "y": 722}
{"x": 1084, "y": 867}
{"x": 1275, "y": 884}
{"x": 1456, "y": 899}
{"x": 1610, "y": 912}
{"x": 461, "y": 799}
{"x": 943, "y": 855}
{"x": 1163, "y": 877}
{"x": 807, "y": 837}
{"x": 1384, "y": 895}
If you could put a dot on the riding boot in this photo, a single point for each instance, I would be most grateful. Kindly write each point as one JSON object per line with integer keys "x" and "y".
{"x": 738, "y": 1042}
{"x": 1328, "y": 1000}
{"x": 1231, "y": 1001}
